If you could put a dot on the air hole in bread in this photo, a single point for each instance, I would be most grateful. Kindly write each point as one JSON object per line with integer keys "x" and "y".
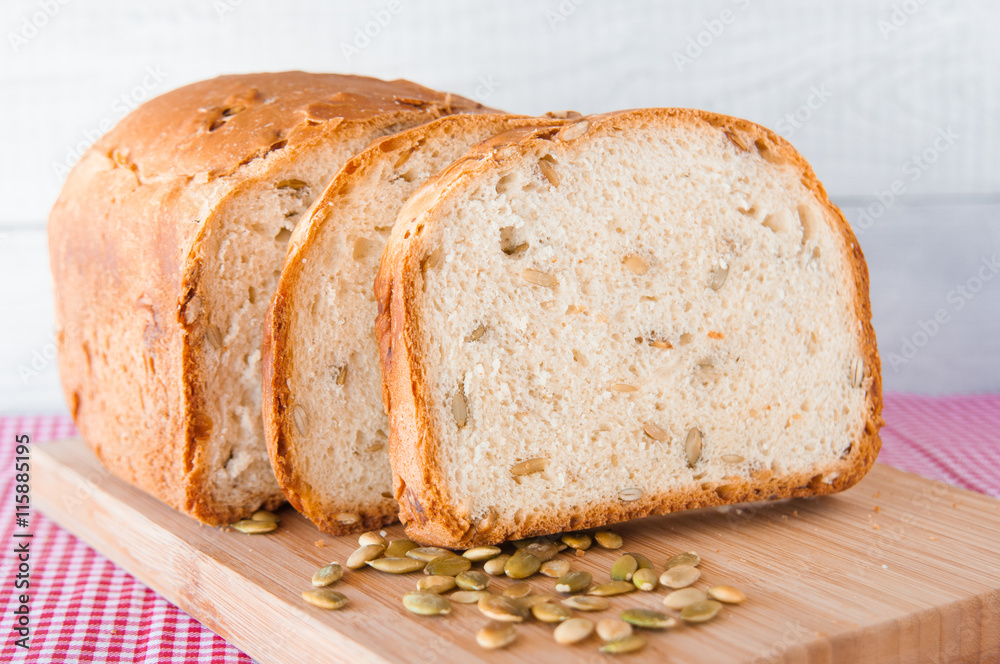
{"x": 292, "y": 184}
{"x": 511, "y": 243}
{"x": 431, "y": 260}
{"x": 283, "y": 236}
{"x": 504, "y": 183}
{"x": 252, "y": 295}
{"x": 779, "y": 222}
{"x": 361, "y": 249}
{"x": 768, "y": 152}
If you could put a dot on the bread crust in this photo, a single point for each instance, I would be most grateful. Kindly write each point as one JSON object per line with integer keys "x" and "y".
{"x": 420, "y": 486}
{"x": 283, "y": 440}
{"x": 126, "y": 237}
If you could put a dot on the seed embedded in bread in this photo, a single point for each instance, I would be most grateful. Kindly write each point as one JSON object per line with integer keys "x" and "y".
{"x": 460, "y": 408}
{"x": 539, "y": 278}
{"x": 529, "y": 467}
{"x": 692, "y": 447}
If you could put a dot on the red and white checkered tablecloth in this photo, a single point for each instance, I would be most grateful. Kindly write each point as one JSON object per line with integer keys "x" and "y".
{"x": 84, "y": 608}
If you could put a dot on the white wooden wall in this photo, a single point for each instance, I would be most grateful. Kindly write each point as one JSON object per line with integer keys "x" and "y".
{"x": 888, "y": 99}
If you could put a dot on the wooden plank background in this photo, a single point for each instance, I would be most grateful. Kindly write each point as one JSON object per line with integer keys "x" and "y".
{"x": 872, "y": 92}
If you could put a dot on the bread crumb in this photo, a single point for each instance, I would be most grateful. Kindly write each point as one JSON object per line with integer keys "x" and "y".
{"x": 932, "y": 538}
{"x": 580, "y": 553}
{"x": 795, "y": 512}
{"x": 875, "y": 526}
{"x": 320, "y": 543}
{"x": 877, "y": 509}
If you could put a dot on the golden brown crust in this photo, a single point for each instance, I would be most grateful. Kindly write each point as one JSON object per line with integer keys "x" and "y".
{"x": 425, "y": 505}
{"x": 279, "y": 327}
{"x": 125, "y": 247}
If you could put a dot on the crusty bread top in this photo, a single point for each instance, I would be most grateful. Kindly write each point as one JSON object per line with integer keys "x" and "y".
{"x": 218, "y": 125}
{"x": 423, "y": 487}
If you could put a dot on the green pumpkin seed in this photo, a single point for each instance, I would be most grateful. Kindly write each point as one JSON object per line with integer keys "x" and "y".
{"x": 495, "y": 634}
{"x": 436, "y": 584}
{"x": 530, "y": 601}
{"x": 586, "y": 603}
{"x": 482, "y": 553}
{"x": 641, "y": 561}
{"x": 648, "y": 619}
{"x": 645, "y": 579}
{"x": 544, "y": 551}
{"x": 727, "y": 594}
{"x": 555, "y": 568}
{"x": 684, "y": 597}
{"x": 608, "y": 540}
{"x": 578, "y": 541}
{"x": 398, "y": 548}
{"x": 621, "y": 646}
{"x": 251, "y": 527}
{"x": 429, "y": 553}
{"x": 371, "y": 537}
{"x": 325, "y": 598}
{"x": 472, "y": 580}
{"x": 574, "y": 582}
{"x": 363, "y": 555}
{"x": 504, "y": 609}
{"x": 612, "y": 588}
{"x": 468, "y": 596}
{"x": 494, "y": 566}
{"x": 548, "y": 612}
{"x": 573, "y": 631}
{"x": 688, "y": 558}
{"x": 680, "y": 576}
{"x": 701, "y": 611}
{"x": 265, "y": 515}
{"x": 327, "y": 575}
{"x": 426, "y": 604}
{"x": 450, "y": 565}
{"x": 397, "y": 565}
{"x": 624, "y": 568}
{"x": 522, "y": 565}
{"x": 517, "y": 590}
{"x": 613, "y": 629}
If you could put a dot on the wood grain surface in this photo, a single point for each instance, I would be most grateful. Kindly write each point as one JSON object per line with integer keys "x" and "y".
{"x": 898, "y": 569}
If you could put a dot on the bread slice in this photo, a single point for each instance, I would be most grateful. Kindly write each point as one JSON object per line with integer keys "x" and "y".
{"x": 166, "y": 243}
{"x": 638, "y": 313}
{"x": 327, "y": 432}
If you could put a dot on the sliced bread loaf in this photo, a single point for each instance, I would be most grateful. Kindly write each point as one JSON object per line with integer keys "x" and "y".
{"x": 636, "y": 313}
{"x": 326, "y": 429}
{"x": 166, "y": 244}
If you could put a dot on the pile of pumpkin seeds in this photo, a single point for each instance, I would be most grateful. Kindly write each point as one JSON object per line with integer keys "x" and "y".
{"x": 449, "y": 578}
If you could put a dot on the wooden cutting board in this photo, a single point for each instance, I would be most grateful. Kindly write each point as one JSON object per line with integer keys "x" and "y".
{"x": 897, "y": 569}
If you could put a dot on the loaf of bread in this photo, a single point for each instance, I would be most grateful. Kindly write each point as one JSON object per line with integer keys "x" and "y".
{"x": 326, "y": 429}
{"x": 166, "y": 243}
{"x": 633, "y": 314}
